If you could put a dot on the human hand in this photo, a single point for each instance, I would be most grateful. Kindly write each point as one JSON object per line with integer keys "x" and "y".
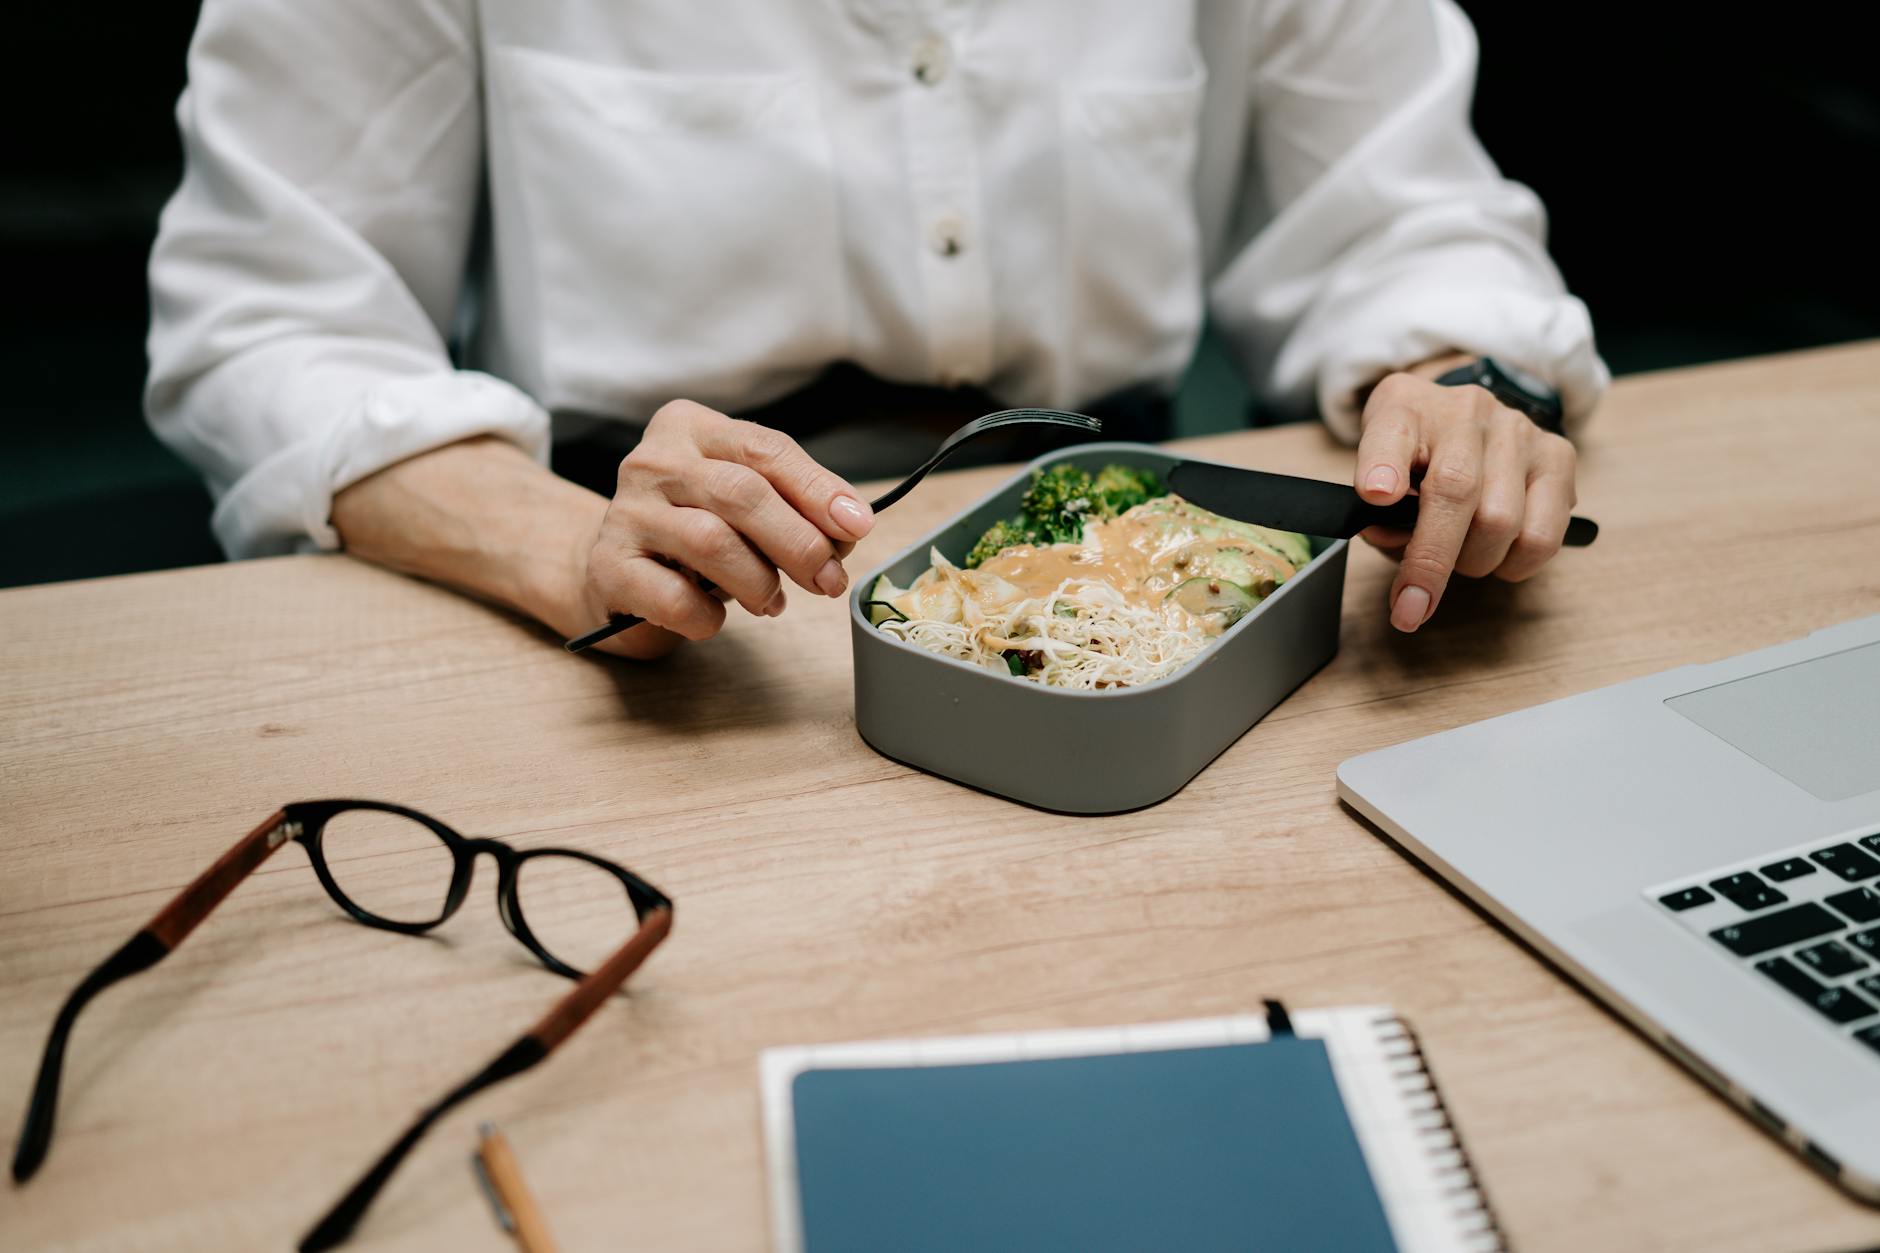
{"x": 1494, "y": 489}
{"x": 731, "y": 501}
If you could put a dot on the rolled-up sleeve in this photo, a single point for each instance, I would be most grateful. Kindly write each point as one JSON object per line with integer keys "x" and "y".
{"x": 306, "y": 271}
{"x": 1382, "y": 233}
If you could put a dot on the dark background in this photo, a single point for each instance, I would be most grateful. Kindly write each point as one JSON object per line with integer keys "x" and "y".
{"x": 1706, "y": 184}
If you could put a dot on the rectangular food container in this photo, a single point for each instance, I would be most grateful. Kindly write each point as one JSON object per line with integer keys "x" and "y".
{"x": 1074, "y": 751}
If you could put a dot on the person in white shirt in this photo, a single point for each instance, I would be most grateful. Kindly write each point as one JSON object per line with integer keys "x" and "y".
{"x": 662, "y": 213}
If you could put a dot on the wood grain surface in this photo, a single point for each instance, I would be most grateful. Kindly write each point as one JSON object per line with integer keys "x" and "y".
{"x": 225, "y": 1098}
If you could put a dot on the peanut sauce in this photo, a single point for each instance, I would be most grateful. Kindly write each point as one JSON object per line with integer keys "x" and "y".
{"x": 1141, "y": 554}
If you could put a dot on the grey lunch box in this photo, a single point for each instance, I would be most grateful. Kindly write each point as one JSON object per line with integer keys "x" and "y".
{"x": 1076, "y": 751}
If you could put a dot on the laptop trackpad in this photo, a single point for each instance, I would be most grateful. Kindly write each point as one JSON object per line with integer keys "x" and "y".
{"x": 1816, "y": 723}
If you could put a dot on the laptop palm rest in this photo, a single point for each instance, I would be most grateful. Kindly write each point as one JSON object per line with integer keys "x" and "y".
{"x": 1814, "y": 723}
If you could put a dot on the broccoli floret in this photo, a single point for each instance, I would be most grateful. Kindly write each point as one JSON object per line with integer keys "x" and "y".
{"x": 1121, "y": 488}
{"x": 1057, "y": 502}
{"x": 999, "y": 537}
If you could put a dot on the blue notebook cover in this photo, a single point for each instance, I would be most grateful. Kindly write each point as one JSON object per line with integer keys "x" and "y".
{"x": 1235, "y": 1146}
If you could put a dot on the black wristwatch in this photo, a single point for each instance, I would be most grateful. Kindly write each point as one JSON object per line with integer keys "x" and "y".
{"x": 1512, "y": 387}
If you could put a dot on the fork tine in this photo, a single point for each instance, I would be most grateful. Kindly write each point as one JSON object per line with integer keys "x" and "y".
{"x": 999, "y": 426}
{"x": 1069, "y": 426}
{"x": 1053, "y": 415}
{"x": 1019, "y": 417}
{"x": 1043, "y": 417}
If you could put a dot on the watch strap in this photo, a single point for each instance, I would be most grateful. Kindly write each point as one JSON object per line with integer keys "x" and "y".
{"x": 1538, "y": 402}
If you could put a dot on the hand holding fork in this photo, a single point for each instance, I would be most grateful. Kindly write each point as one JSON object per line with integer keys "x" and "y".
{"x": 736, "y": 503}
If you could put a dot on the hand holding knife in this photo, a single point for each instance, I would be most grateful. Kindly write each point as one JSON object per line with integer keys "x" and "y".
{"x": 1312, "y": 506}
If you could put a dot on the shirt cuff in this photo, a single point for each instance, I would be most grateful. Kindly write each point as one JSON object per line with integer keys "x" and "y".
{"x": 285, "y": 504}
{"x": 1546, "y": 334}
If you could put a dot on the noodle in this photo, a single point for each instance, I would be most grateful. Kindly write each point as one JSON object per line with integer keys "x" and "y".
{"x": 1102, "y": 642}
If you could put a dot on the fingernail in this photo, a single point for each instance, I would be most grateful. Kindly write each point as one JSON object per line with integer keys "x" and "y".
{"x": 1383, "y": 479}
{"x": 777, "y": 602}
{"x": 831, "y": 579}
{"x": 1413, "y": 605}
{"x": 851, "y": 516}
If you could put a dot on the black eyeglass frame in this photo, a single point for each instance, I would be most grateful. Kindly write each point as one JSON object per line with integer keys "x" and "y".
{"x": 307, "y": 826}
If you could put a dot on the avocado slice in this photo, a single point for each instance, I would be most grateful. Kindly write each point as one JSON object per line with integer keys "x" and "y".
{"x": 1290, "y": 546}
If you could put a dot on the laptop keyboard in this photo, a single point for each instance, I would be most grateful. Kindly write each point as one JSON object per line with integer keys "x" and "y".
{"x": 1807, "y": 919}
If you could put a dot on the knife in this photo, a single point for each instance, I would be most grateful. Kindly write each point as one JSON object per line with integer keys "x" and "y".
{"x": 1308, "y": 505}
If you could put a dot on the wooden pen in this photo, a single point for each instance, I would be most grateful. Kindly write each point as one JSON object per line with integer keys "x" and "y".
{"x": 509, "y": 1196}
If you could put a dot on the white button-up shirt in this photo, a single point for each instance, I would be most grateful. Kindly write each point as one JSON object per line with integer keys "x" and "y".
{"x": 613, "y": 205}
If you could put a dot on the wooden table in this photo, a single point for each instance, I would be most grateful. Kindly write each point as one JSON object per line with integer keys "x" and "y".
{"x": 825, "y": 893}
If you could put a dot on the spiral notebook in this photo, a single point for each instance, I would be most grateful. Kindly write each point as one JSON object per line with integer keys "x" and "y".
{"x": 1317, "y": 1130}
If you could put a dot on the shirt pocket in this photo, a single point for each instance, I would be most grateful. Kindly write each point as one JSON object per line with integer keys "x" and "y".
{"x": 680, "y": 230}
{"x": 1134, "y": 300}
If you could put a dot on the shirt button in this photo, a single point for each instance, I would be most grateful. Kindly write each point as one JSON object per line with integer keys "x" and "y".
{"x": 932, "y": 59}
{"x": 947, "y": 236}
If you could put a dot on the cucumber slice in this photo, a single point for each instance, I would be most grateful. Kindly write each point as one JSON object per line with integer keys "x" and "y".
{"x": 877, "y": 605}
{"x": 1214, "y": 600}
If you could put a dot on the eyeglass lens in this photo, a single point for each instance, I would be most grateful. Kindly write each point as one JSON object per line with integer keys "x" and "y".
{"x": 388, "y": 865}
{"x": 578, "y": 911}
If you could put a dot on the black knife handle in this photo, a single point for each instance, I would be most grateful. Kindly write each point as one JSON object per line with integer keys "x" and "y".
{"x": 1402, "y": 516}
{"x": 1580, "y": 532}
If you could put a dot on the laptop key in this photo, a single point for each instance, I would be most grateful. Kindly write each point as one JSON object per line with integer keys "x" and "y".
{"x": 1848, "y": 862}
{"x": 1866, "y": 941}
{"x": 1872, "y": 843}
{"x": 1786, "y": 869}
{"x": 1870, "y": 1036}
{"x": 1829, "y": 960}
{"x": 1861, "y": 904}
{"x": 1842, "y": 1005}
{"x": 1747, "y": 891}
{"x": 1870, "y": 984}
{"x": 1785, "y": 926}
{"x": 1688, "y": 898}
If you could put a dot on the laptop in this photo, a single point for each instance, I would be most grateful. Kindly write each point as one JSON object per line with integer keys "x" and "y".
{"x": 1701, "y": 850}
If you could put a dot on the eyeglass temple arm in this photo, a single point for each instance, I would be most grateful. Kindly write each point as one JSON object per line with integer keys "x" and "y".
{"x": 158, "y": 938}
{"x": 554, "y": 1027}
{"x": 337, "y": 1226}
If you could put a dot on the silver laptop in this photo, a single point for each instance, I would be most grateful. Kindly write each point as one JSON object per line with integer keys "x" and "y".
{"x": 1701, "y": 850}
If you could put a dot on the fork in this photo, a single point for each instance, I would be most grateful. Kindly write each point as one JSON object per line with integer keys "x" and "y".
{"x": 978, "y": 426}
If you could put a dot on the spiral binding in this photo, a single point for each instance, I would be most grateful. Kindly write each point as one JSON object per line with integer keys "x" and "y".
{"x": 1471, "y": 1201}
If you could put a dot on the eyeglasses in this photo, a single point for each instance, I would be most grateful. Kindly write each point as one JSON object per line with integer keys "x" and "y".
{"x": 400, "y": 870}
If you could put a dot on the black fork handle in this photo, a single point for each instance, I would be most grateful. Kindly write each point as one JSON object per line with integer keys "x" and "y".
{"x": 613, "y": 626}
{"x": 621, "y": 622}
